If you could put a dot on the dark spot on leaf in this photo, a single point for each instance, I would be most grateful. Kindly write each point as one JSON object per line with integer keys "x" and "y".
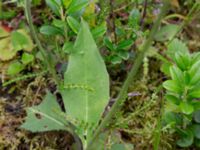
{"x": 60, "y": 101}
{"x": 38, "y": 116}
{"x": 45, "y": 126}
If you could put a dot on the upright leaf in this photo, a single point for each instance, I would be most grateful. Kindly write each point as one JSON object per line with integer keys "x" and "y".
{"x": 166, "y": 33}
{"x": 86, "y": 83}
{"x": 73, "y": 23}
{"x": 54, "y": 5}
{"x": 177, "y": 74}
{"x": 77, "y": 5}
{"x": 176, "y": 46}
{"x": 172, "y": 86}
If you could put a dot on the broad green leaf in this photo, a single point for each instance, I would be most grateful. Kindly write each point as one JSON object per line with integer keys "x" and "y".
{"x": 134, "y": 18}
{"x": 196, "y": 130}
{"x": 165, "y": 68}
{"x": 176, "y": 46}
{"x": 186, "y": 108}
{"x": 115, "y": 59}
{"x": 77, "y": 5}
{"x": 195, "y": 73}
{"x": 194, "y": 92}
{"x": 8, "y": 14}
{"x": 68, "y": 47}
{"x": 27, "y": 58}
{"x": 21, "y": 40}
{"x": 14, "y": 68}
{"x": 90, "y": 9}
{"x": 183, "y": 60}
{"x": 186, "y": 78}
{"x": 197, "y": 143}
{"x": 90, "y": 13}
{"x": 125, "y": 44}
{"x": 6, "y": 49}
{"x": 54, "y": 5}
{"x": 172, "y": 118}
{"x": 177, "y": 75}
{"x": 45, "y": 117}
{"x": 120, "y": 146}
{"x": 17, "y": 40}
{"x": 196, "y": 104}
{"x": 197, "y": 116}
{"x": 58, "y": 23}
{"x": 172, "y": 99}
{"x": 73, "y": 23}
{"x": 36, "y": 2}
{"x": 100, "y": 142}
{"x": 86, "y": 83}
{"x": 66, "y": 3}
{"x": 171, "y": 107}
{"x": 195, "y": 57}
{"x": 166, "y": 33}
{"x": 186, "y": 139}
{"x": 120, "y": 32}
{"x": 109, "y": 44}
{"x": 99, "y": 31}
{"x": 172, "y": 86}
{"x": 50, "y": 30}
{"x": 123, "y": 54}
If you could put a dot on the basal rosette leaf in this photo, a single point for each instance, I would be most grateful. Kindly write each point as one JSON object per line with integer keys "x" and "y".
{"x": 86, "y": 83}
{"x": 45, "y": 117}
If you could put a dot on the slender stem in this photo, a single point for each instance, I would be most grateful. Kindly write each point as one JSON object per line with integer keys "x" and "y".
{"x": 131, "y": 77}
{"x": 175, "y": 16}
{"x": 62, "y": 16}
{"x": 188, "y": 18}
{"x": 112, "y": 15}
{"x": 144, "y": 14}
{"x": 37, "y": 41}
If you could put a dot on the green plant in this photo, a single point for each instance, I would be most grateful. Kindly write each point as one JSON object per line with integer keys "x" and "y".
{"x": 83, "y": 85}
{"x": 182, "y": 93}
{"x": 85, "y": 90}
{"x": 11, "y": 43}
{"x": 119, "y": 51}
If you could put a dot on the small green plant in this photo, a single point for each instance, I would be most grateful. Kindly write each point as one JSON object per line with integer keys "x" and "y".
{"x": 183, "y": 93}
{"x": 118, "y": 52}
{"x": 11, "y": 42}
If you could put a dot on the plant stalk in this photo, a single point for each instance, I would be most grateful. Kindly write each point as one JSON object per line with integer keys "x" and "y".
{"x": 130, "y": 78}
{"x": 188, "y": 18}
{"x": 45, "y": 56}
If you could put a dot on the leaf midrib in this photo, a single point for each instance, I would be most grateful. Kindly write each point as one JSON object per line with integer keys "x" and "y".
{"x": 47, "y": 116}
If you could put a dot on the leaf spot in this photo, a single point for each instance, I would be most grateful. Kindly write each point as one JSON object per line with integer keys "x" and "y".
{"x": 38, "y": 116}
